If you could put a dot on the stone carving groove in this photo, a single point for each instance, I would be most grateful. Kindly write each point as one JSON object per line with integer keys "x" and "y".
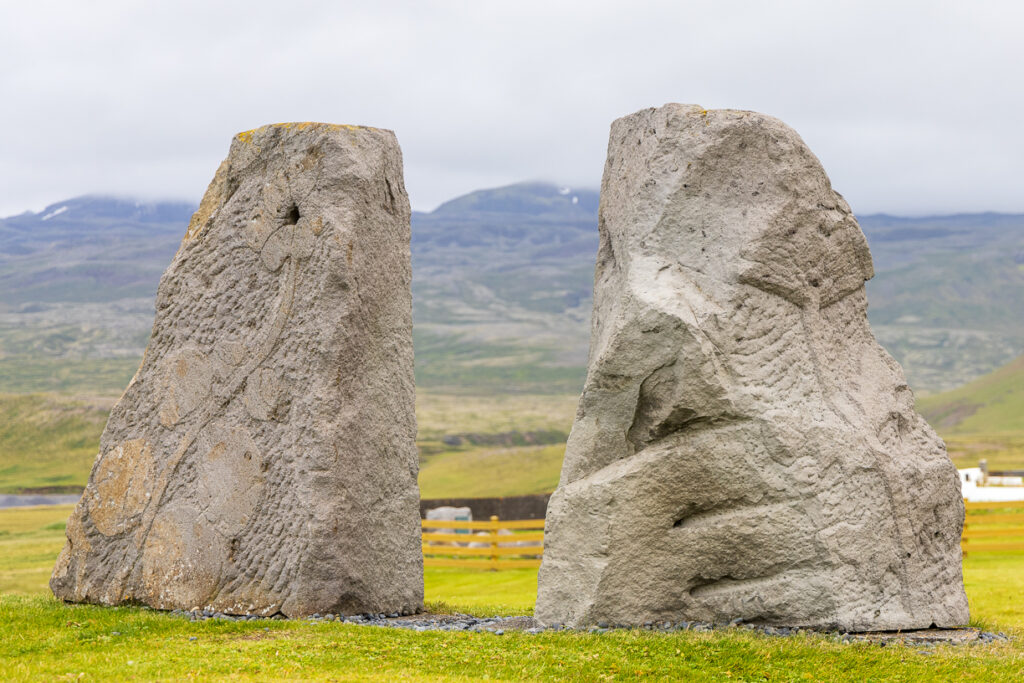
{"x": 743, "y": 448}
{"x": 263, "y": 458}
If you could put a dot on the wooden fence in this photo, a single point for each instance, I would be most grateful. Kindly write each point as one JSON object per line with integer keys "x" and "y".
{"x": 493, "y": 544}
{"x": 993, "y": 521}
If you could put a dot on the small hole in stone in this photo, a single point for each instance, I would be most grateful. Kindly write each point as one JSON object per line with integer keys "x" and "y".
{"x": 291, "y": 217}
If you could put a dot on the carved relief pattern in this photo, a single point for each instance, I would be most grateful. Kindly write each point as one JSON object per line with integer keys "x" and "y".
{"x": 177, "y": 557}
{"x": 221, "y": 482}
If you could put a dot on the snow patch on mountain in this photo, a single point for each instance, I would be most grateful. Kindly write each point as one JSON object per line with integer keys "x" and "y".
{"x": 55, "y": 212}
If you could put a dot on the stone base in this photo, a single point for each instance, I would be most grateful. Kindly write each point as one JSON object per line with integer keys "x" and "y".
{"x": 928, "y": 636}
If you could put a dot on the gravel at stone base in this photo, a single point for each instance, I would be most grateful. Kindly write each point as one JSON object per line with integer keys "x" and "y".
{"x": 499, "y": 625}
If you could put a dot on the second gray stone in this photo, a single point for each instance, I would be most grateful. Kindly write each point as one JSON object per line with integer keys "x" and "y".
{"x": 743, "y": 448}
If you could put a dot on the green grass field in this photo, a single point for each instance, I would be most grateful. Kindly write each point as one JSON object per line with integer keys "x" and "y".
{"x": 983, "y": 419}
{"x": 510, "y": 443}
{"x": 1002, "y": 451}
{"x": 47, "y": 440}
{"x": 23, "y": 374}
{"x": 439, "y": 414}
{"x": 496, "y": 452}
{"x": 486, "y": 472}
{"x": 41, "y": 638}
{"x": 993, "y": 404}
{"x": 50, "y": 440}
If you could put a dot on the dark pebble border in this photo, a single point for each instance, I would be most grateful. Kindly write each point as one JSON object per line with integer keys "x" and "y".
{"x": 498, "y": 625}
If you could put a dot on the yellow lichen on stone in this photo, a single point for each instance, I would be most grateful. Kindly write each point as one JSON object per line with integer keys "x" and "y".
{"x": 303, "y": 125}
{"x": 212, "y": 200}
{"x": 120, "y": 486}
{"x": 247, "y": 136}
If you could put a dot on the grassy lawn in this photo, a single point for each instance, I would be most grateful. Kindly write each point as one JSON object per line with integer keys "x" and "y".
{"x": 41, "y": 638}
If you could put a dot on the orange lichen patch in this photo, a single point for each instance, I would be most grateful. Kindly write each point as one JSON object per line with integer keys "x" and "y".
{"x": 120, "y": 486}
{"x": 217, "y": 451}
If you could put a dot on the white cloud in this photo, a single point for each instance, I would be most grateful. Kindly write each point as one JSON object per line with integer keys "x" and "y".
{"x": 913, "y": 107}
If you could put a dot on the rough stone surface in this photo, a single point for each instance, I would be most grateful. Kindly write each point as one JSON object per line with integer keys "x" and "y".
{"x": 743, "y": 448}
{"x": 263, "y": 458}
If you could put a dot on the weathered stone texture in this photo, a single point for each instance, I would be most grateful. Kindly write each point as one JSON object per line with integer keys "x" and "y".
{"x": 743, "y": 447}
{"x": 263, "y": 457}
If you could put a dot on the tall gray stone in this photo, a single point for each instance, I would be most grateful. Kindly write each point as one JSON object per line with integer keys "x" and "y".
{"x": 263, "y": 457}
{"x": 743, "y": 447}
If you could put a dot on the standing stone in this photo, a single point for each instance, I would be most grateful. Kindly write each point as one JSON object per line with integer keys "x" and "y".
{"x": 743, "y": 448}
{"x": 263, "y": 458}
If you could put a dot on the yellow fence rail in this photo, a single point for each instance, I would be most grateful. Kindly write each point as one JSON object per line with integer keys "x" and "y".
{"x": 497, "y": 544}
{"x": 493, "y": 544}
{"x": 996, "y": 521}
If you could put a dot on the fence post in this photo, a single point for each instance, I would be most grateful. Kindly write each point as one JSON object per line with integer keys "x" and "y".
{"x": 494, "y": 543}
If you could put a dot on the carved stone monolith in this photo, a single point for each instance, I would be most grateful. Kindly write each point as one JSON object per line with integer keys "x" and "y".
{"x": 263, "y": 459}
{"x": 743, "y": 448}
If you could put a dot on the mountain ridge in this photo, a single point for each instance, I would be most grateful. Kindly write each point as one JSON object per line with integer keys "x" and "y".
{"x": 502, "y": 285}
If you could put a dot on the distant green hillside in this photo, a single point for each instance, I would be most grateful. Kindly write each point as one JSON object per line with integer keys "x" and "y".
{"x": 991, "y": 404}
{"x": 73, "y": 377}
{"x": 48, "y": 443}
{"x": 502, "y": 286}
{"x": 488, "y": 446}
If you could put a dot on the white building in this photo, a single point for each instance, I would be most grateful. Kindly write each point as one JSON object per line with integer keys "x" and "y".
{"x": 978, "y": 486}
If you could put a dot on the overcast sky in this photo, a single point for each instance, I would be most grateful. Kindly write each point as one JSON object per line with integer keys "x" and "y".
{"x": 913, "y": 107}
